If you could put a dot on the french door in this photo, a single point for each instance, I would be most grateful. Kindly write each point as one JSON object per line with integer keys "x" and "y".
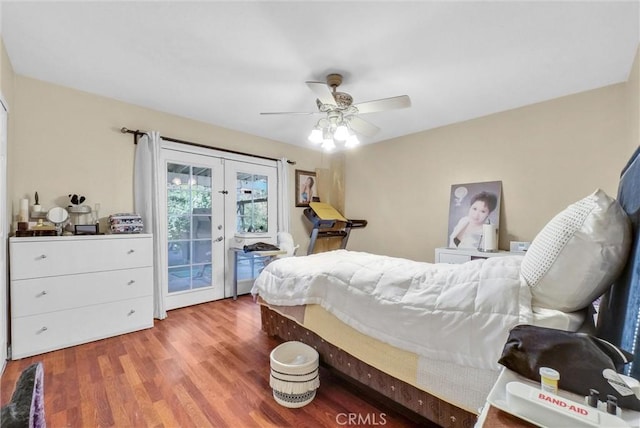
{"x": 209, "y": 201}
{"x": 194, "y": 228}
{"x": 251, "y": 213}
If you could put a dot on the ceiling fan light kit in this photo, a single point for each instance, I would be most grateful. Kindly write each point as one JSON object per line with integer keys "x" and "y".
{"x": 342, "y": 132}
{"x": 316, "y": 136}
{"x": 341, "y": 122}
{"x": 334, "y": 128}
{"x": 352, "y": 141}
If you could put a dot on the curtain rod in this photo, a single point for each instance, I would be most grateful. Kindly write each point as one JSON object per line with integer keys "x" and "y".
{"x": 137, "y": 133}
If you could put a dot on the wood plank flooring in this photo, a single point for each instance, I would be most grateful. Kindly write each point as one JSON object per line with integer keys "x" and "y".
{"x": 203, "y": 366}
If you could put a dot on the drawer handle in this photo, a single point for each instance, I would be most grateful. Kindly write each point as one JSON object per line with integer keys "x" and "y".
{"x": 131, "y": 312}
{"x": 43, "y": 256}
{"x": 131, "y": 282}
{"x": 43, "y": 293}
{"x": 131, "y": 251}
{"x": 42, "y": 330}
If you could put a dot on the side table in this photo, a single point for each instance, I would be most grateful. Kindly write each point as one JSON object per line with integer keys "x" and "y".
{"x": 267, "y": 255}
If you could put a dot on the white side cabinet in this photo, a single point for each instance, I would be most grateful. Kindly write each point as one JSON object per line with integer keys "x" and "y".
{"x": 70, "y": 290}
{"x": 462, "y": 255}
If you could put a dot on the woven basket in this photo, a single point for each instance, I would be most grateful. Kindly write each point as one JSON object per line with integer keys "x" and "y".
{"x": 294, "y": 374}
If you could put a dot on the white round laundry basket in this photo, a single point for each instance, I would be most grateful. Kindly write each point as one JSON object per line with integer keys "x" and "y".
{"x": 294, "y": 374}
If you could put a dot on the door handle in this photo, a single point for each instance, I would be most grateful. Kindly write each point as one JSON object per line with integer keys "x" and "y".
{"x": 218, "y": 239}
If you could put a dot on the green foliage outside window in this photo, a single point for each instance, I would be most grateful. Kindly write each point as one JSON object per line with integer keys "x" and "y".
{"x": 181, "y": 201}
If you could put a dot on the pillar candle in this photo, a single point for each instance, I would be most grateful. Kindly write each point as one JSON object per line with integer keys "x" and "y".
{"x": 24, "y": 210}
{"x": 489, "y": 237}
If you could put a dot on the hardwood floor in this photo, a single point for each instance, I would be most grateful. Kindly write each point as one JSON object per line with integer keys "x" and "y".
{"x": 203, "y": 366}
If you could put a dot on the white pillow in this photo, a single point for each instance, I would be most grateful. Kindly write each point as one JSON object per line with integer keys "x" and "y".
{"x": 578, "y": 254}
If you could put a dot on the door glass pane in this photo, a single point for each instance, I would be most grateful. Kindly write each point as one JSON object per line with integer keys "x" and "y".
{"x": 202, "y": 251}
{"x": 201, "y": 189}
{"x": 178, "y": 189}
{"x": 179, "y": 227}
{"x": 201, "y": 275}
{"x": 179, "y": 254}
{"x": 252, "y": 203}
{"x": 189, "y": 227}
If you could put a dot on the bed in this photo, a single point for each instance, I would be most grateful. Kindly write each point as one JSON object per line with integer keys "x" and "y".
{"x": 428, "y": 336}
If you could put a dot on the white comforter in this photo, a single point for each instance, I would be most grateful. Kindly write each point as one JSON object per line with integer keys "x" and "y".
{"x": 460, "y": 313}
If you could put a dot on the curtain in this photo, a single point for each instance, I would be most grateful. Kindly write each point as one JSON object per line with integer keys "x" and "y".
{"x": 619, "y": 310}
{"x": 146, "y": 191}
{"x": 284, "y": 199}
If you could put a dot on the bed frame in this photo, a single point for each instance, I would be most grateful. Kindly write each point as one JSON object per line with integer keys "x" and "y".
{"x": 618, "y": 322}
{"x": 416, "y": 404}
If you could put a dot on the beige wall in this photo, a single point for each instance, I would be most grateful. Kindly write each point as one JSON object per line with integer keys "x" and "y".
{"x": 634, "y": 102}
{"x": 6, "y": 75}
{"x": 547, "y": 156}
{"x": 67, "y": 141}
{"x": 6, "y": 90}
{"x": 7, "y": 83}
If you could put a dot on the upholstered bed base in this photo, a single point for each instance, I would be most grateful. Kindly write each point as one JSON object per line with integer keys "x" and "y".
{"x": 396, "y": 391}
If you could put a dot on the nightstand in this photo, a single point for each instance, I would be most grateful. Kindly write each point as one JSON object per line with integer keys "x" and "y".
{"x": 462, "y": 255}
{"x": 256, "y": 261}
{"x": 497, "y": 412}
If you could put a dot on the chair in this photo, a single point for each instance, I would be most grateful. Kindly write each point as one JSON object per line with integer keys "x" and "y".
{"x": 285, "y": 242}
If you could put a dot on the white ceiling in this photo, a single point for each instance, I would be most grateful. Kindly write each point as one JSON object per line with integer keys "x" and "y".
{"x": 225, "y": 62}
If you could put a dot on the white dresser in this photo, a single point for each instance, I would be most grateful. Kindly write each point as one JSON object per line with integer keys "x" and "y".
{"x": 70, "y": 290}
{"x": 462, "y": 255}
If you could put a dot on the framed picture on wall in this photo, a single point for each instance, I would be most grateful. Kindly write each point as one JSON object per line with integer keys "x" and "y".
{"x": 471, "y": 206}
{"x": 306, "y": 188}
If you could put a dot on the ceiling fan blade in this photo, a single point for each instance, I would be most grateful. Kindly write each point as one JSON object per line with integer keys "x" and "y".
{"x": 322, "y": 91}
{"x": 363, "y": 127}
{"x": 383, "y": 104}
{"x": 289, "y": 112}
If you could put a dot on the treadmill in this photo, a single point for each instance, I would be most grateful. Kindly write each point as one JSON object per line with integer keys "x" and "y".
{"x": 327, "y": 222}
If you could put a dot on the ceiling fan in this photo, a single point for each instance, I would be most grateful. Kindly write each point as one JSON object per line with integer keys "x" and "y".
{"x": 342, "y": 121}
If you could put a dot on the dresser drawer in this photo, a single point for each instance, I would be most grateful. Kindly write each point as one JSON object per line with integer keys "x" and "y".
{"x": 55, "y": 293}
{"x": 463, "y": 255}
{"x": 62, "y": 255}
{"x": 453, "y": 258}
{"x": 36, "y": 334}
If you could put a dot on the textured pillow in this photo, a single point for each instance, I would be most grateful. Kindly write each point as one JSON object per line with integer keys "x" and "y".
{"x": 578, "y": 254}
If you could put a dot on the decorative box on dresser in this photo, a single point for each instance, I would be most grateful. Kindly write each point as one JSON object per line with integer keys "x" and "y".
{"x": 70, "y": 290}
{"x": 462, "y": 255}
